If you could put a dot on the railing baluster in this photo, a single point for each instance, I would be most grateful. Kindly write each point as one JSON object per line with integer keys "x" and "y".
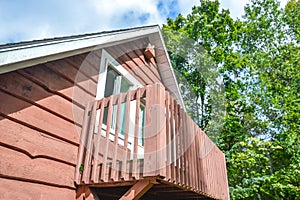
{"x": 125, "y": 164}
{"x": 168, "y": 142}
{"x": 185, "y": 138}
{"x": 177, "y": 139}
{"x": 88, "y": 155}
{"x": 198, "y": 159}
{"x": 189, "y": 148}
{"x": 105, "y": 167}
{"x": 193, "y": 172}
{"x": 83, "y": 136}
{"x": 172, "y": 142}
{"x": 183, "y": 146}
{"x": 194, "y": 157}
{"x": 135, "y": 172}
{"x": 116, "y": 141}
{"x": 96, "y": 168}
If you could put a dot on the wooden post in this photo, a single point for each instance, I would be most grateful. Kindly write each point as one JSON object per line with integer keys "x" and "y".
{"x": 154, "y": 131}
{"x": 161, "y": 130}
{"x": 84, "y": 192}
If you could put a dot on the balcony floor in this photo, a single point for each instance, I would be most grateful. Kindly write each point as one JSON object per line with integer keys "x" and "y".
{"x": 160, "y": 190}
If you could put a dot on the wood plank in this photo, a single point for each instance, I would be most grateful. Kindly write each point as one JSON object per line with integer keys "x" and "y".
{"x": 185, "y": 134}
{"x": 84, "y": 192}
{"x": 183, "y": 147}
{"x": 168, "y": 136}
{"x": 161, "y": 129}
{"x": 177, "y": 138}
{"x": 115, "y": 171}
{"x": 151, "y": 64}
{"x": 86, "y": 65}
{"x": 35, "y": 144}
{"x": 136, "y": 135}
{"x": 94, "y": 59}
{"x": 150, "y": 148}
{"x": 144, "y": 67}
{"x": 173, "y": 142}
{"x": 79, "y": 59}
{"x": 121, "y": 60}
{"x": 97, "y": 159}
{"x": 73, "y": 76}
{"x": 16, "y": 164}
{"x": 25, "y": 112}
{"x": 83, "y": 138}
{"x": 125, "y": 169}
{"x": 82, "y": 73}
{"x": 133, "y": 61}
{"x": 193, "y": 159}
{"x": 17, "y": 85}
{"x": 189, "y": 152}
{"x": 89, "y": 146}
{"x": 137, "y": 190}
{"x": 45, "y": 77}
{"x": 22, "y": 190}
{"x": 128, "y": 58}
{"x": 104, "y": 151}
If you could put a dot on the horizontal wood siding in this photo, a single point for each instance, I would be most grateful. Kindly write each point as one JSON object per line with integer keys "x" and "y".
{"x": 27, "y": 190}
{"x": 41, "y": 113}
{"x": 131, "y": 56}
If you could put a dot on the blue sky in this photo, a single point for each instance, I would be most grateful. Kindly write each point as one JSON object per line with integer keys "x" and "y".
{"x": 22, "y": 20}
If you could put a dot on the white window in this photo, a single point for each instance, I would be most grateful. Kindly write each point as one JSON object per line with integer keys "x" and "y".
{"x": 112, "y": 72}
{"x": 114, "y": 79}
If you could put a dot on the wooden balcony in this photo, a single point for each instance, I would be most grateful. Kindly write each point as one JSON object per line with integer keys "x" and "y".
{"x": 145, "y": 133}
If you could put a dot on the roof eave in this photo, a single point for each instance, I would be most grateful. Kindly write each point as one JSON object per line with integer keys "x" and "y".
{"x": 165, "y": 68}
{"x": 14, "y": 58}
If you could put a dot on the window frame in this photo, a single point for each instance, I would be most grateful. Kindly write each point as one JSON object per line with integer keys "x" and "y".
{"x": 108, "y": 60}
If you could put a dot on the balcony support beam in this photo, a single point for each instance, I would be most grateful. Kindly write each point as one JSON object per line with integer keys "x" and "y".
{"x": 139, "y": 189}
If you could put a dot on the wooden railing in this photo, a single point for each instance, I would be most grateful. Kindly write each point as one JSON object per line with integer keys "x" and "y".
{"x": 173, "y": 146}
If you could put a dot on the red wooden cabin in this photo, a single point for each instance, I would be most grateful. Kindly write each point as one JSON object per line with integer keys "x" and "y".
{"x": 100, "y": 116}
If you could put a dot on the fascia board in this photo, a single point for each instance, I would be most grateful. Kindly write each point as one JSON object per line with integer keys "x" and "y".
{"x": 28, "y": 55}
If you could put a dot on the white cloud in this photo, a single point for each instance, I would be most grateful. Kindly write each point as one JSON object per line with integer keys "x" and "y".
{"x": 33, "y": 19}
{"x": 122, "y": 14}
{"x": 186, "y": 6}
{"x": 236, "y": 7}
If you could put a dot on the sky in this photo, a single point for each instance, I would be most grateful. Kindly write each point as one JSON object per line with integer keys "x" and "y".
{"x": 23, "y": 20}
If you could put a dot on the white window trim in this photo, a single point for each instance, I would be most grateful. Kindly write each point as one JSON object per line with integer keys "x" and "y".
{"x": 106, "y": 60}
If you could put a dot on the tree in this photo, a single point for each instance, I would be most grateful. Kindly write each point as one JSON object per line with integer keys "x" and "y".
{"x": 257, "y": 58}
{"x": 197, "y": 45}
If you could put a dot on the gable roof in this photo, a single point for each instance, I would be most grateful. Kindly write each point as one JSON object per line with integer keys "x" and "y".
{"x": 20, "y": 55}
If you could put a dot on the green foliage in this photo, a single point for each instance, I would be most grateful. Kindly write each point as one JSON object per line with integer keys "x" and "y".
{"x": 292, "y": 17}
{"x": 81, "y": 168}
{"x": 258, "y": 58}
